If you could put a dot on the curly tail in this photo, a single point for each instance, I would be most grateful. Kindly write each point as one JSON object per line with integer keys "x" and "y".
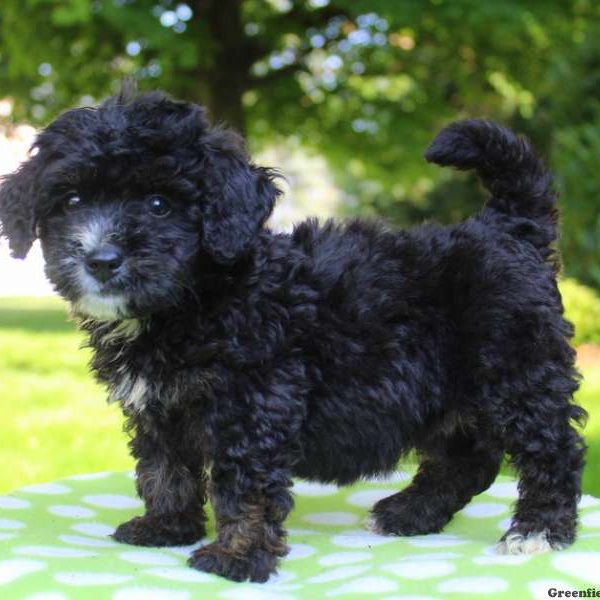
{"x": 523, "y": 198}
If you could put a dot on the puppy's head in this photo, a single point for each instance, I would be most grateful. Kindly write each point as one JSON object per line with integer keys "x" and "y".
{"x": 126, "y": 198}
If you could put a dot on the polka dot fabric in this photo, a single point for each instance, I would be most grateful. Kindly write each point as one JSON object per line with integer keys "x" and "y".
{"x": 55, "y": 546}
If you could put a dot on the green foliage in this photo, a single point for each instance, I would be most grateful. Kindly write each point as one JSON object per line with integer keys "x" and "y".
{"x": 582, "y": 308}
{"x": 576, "y": 155}
{"x": 366, "y": 83}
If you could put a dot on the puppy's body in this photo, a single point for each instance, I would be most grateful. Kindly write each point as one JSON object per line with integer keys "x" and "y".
{"x": 327, "y": 353}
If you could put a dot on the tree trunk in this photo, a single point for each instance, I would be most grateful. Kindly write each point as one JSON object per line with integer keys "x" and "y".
{"x": 222, "y": 85}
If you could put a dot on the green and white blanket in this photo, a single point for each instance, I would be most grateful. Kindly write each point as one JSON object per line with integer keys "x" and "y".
{"x": 54, "y": 545}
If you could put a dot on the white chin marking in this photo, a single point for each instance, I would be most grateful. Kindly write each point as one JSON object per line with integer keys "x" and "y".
{"x": 101, "y": 308}
{"x": 532, "y": 543}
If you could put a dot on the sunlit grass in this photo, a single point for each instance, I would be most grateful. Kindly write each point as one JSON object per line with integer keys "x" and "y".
{"x": 56, "y": 421}
{"x": 589, "y": 397}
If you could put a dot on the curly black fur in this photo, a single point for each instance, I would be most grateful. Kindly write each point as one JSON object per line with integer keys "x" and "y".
{"x": 327, "y": 353}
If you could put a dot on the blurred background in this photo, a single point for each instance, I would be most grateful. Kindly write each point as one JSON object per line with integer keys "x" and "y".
{"x": 343, "y": 96}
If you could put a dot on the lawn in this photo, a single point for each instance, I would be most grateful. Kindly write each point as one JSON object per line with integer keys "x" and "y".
{"x": 56, "y": 422}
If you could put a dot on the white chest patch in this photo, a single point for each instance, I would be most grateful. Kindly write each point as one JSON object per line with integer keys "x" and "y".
{"x": 131, "y": 392}
{"x": 101, "y": 308}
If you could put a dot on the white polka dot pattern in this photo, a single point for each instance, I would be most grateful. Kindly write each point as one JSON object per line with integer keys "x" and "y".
{"x": 337, "y": 574}
{"x": 484, "y": 510}
{"x": 436, "y": 540}
{"x": 10, "y": 570}
{"x": 300, "y": 551}
{"x": 56, "y": 545}
{"x": 53, "y": 552}
{"x": 584, "y": 565}
{"x": 420, "y": 569}
{"x": 72, "y": 511}
{"x": 46, "y": 489}
{"x": 588, "y": 501}
{"x": 148, "y": 593}
{"x": 506, "y": 489}
{"x": 539, "y": 587}
{"x": 343, "y": 558}
{"x": 310, "y": 488}
{"x": 360, "y": 539}
{"x": 47, "y": 596}
{"x": 91, "y": 579}
{"x": 11, "y": 524}
{"x": 367, "y": 498}
{"x": 591, "y": 519}
{"x": 113, "y": 501}
{"x": 180, "y": 574}
{"x": 148, "y": 558}
{"x": 332, "y": 518}
{"x": 366, "y": 585}
{"x": 79, "y": 540}
{"x": 474, "y": 585}
{"x": 13, "y": 503}
{"x": 94, "y": 529}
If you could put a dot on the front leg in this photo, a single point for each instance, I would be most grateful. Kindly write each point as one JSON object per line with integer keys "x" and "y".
{"x": 171, "y": 481}
{"x": 250, "y": 482}
{"x": 250, "y": 533}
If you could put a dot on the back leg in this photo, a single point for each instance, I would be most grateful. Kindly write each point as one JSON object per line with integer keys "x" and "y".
{"x": 526, "y": 378}
{"x": 452, "y": 471}
{"x": 548, "y": 453}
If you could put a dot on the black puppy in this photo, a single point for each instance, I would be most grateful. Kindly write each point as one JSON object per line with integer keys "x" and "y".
{"x": 242, "y": 357}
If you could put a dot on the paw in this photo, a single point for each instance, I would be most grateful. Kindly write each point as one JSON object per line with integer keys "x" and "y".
{"x": 393, "y": 523}
{"x": 161, "y": 530}
{"x": 401, "y": 515}
{"x": 215, "y": 558}
{"x": 370, "y": 524}
{"x": 534, "y": 542}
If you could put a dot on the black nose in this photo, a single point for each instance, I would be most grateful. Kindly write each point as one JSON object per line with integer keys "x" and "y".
{"x": 104, "y": 263}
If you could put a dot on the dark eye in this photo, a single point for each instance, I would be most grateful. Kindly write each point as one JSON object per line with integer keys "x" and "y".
{"x": 159, "y": 206}
{"x": 72, "y": 201}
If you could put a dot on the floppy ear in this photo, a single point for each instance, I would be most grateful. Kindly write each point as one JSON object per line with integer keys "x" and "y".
{"x": 240, "y": 201}
{"x": 17, "y": 208}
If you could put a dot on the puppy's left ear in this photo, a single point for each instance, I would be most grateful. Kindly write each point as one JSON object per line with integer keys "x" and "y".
{"x": 239, "y": 201}
{"x": 18, "y": 192}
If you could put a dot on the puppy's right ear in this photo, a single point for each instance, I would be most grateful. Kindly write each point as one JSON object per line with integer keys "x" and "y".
{"x": 18, "y": 192}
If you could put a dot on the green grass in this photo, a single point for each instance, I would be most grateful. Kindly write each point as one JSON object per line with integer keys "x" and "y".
{"x": 56, "y": 421}
{"x": 589, "y": 398}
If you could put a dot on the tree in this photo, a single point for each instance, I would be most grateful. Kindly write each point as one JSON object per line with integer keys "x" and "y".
{"x": 366, "y": 83}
